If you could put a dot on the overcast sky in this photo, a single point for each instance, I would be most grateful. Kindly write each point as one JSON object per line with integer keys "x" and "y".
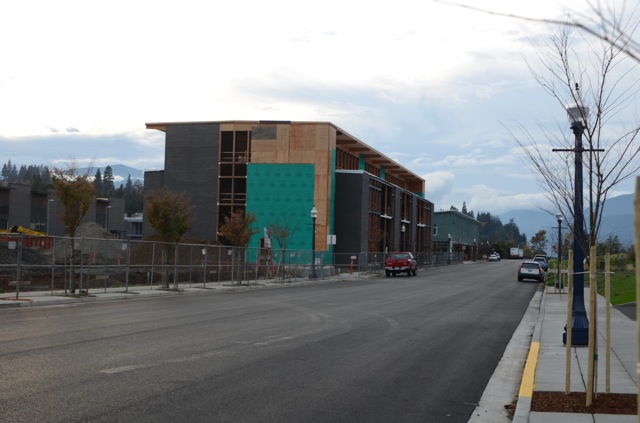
{"x": 430, "y": 85}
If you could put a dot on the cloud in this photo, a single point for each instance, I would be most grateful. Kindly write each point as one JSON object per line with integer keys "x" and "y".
{"x": 486, "y": 198}
{"x": 439, "y": 184}
{"x": 140, "y": 150}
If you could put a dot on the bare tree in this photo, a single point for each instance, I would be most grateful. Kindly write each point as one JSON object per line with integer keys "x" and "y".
{"x": 602, "y": 21}
{"x": 610, "y": 87}
{"x": 238, "y": 230}
{"x": 281, "y": 233}
{"x": 170, "y": 215}
{"x": 76, "y": 193}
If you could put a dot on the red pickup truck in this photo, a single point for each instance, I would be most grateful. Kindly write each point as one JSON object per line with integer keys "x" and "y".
{"x": 400, "y": 263}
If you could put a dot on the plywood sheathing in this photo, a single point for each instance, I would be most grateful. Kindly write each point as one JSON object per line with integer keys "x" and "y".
{"x": 282, "y": 144}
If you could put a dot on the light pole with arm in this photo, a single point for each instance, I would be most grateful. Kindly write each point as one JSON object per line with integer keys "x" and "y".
{"x": 577, "y": 114}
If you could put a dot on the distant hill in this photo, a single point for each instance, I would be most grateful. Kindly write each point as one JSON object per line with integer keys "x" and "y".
{"x": 120, "y": 173}
{"x": 617, "y": 219}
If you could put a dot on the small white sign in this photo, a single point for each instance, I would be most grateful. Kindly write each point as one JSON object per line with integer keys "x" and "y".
{"x": 331, "y": 239}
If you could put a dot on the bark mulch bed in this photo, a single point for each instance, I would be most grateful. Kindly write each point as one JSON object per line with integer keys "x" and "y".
{"x": 574, "y": 402}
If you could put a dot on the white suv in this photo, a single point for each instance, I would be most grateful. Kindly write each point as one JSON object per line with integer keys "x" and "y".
{"x": 530, "y": 270}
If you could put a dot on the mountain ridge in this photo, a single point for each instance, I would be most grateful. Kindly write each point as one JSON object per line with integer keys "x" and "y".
{"x": 617, "y": 219}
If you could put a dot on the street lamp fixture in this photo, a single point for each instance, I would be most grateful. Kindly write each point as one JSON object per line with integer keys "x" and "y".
{"x": 403, "y": 229}
{"x": 314, "y": 216}
{"x": 559, "y": 283}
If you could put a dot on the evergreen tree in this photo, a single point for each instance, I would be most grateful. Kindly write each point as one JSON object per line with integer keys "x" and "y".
{"x": 13, "y": 174}
{"x": 97, "y": 181}
{"x": 6, "y": 169}
{"x": 22, "y": 173}
{"x": 107, "y": 182}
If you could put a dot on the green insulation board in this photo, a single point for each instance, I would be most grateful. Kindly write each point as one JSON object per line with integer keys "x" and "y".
{"x": 281, "y": 195}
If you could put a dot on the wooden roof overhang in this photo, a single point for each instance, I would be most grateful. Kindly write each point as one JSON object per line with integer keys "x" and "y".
{"x": 356, "y": 147}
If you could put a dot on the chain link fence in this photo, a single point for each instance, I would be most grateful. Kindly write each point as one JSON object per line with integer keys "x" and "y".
{"x": 83, "y": 264}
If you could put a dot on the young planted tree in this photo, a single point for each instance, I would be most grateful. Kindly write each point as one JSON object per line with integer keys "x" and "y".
{"x": 75, "y": 193}
{"x": 170, "y": 215}
{"x": 280, "y": 233}
{"x": 238, "y": 230}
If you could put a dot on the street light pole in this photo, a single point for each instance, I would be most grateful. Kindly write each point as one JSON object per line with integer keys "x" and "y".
{"x": 559, "y": 283}
{"x": 474, "y": 249}
{"x": 577, "y": 114}
{"x": 403, "y": 229}
{"x": 314, "y": 215}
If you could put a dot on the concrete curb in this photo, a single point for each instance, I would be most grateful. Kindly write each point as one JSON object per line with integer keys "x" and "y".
{"x": 523, "y": 406}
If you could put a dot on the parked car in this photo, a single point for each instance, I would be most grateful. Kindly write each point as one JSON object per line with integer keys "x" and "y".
{"x": 544, "y": 263}
{"x": 530, "y": 270}
{"x": 401, "y": 262}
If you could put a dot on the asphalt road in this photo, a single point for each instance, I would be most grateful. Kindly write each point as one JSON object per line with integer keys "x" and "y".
{"x": 403, "y": 349}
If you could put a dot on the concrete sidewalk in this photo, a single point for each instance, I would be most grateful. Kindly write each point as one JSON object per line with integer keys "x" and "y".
{"x": 549, "y": 366}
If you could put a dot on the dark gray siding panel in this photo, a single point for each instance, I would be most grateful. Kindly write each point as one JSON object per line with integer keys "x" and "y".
{"x": 191, "y": 166}
{"x": 20, "y": 205}
{"x": 153, "y": 180}
{"x": 351, "y": 214}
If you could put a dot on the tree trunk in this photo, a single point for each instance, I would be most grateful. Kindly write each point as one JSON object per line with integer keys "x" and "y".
{"x": 72, "y": 270}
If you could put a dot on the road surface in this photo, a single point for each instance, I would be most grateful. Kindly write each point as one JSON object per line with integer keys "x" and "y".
{"x": 404, "y": 349}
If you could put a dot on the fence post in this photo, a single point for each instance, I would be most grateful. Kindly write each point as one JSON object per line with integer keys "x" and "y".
{"x": 19, "y": 268}
{"x": 53, "y": 263}
{"x": 81, "y": 263}
{"x": 219, "y": 263}
{"x": 153, "y": 261}
{"x": 204, "y": 266}
{"x": 190, "y": 263}
{"x": 126, "y": 277}
{"x": 175, "y": 266}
